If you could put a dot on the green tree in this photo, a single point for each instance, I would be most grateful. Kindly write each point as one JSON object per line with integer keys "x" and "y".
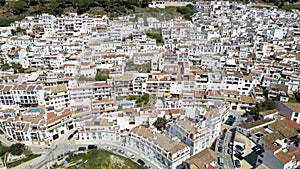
{"x": 139, "y": 104}
{"x": 155, "y": 35}
{"x": 263, "y": 106}
{"x": 145, "y": 3}
{"x": 279, "y": 3}
{"x": 5, "y": 67}
{"x": 142, "y": 100}
{"x": 160, "y": 123}
{"x": 146, "y": 98}
{"x": 254, "y": 110}
{"x": 83, "y": 5}
{"x": 139, "y": 100}
{"x": 16, "y": 149}
{"x": 268, "y": 105}
{"x": 83, "y": 78}
{"x": 187, "y": 11}
{"x": 134, "y": 2}
{"x": 132, "y": 97}
{"x": 18, "y": 67}
{"x": 102, "y": 75}
{"x": 18, "y": 7}
{"x": 295, "y": 98}
{"x": 13, "y": 32}
{"x": 21, "y": 30}
{"x": 3, "y": 149}
{"x": 2, "y": 2}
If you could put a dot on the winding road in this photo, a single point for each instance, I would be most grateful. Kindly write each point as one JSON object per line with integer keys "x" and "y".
{"x": 63, "y": 145}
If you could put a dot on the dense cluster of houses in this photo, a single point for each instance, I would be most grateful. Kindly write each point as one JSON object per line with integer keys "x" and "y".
{"x": 226, "y": 58}
{"x": 276, "y": 136}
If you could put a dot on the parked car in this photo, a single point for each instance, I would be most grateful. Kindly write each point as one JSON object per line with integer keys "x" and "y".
{"x": 231, "y": 117}
{"x": 239, "y": 156}
{"x": 81, "y": 148}
{"x": 70, "y": 137}
{"x": 141, "y": 162}
{"x": 121, "y": 151}
{"x": 230, "y": 121}
{"x": 229, "y": 151}
{"x": 221, "y": 161}
{"x": 10, "y": 139}
{"x": 92, "y": 147}
{"x": 255, "y": 148}
{"x": 239, "y": 147}
{"x": 220, "y": 149}
{"x": 222, "y": 137}
{"x": 106, "y": 148}
{"x": 66, "y": 153}
{"x": 230, "y": 144}
{"x": 221, "y": 142}
{"x": 224, "y": 131}
{"x": 239, "y": 151}
{"x": 237, "y": 163}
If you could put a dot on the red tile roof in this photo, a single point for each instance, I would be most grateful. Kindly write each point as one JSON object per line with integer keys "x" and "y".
{"x": 283, "y": 157}
{"x": 164, "y": 79}
{"x": 98, "y": 84}
{"x": 52, "y": 117}
{"x": 272, "y": 147}
{"x": 169, "y": 111}
{"x": 175, "y": 111}
{"x": 291, "y": 123}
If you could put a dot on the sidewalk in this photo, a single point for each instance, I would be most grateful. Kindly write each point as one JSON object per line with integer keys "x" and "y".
{"x": 33, "y": 162}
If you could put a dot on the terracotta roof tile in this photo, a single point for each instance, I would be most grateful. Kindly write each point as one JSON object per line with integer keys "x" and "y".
{"x": 284, "y": 157}
{"x": 293, "y": 106}
{"x": 291, "y": 123}
{"x": 272, "y": 147}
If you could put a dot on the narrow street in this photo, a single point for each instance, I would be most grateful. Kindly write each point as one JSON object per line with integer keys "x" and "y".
{"x": 228, "y": 158}
{"x": 228, "y": 163}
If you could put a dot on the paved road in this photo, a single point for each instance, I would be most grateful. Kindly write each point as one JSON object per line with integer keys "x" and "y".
{"x": 137, "y": 155}
{"x": 3, "y": 139}
{"x": 228, "y": 159}
{"x": 63, "y": 145}
{"x": 228, "y": 164}
{"x": 52, "y": 153}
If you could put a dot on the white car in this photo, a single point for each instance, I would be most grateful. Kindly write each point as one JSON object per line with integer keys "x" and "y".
{"x": 106, "y": 148}
{"x": 132, "y": 156}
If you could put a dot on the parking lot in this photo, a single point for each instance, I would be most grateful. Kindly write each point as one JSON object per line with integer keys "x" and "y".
{"x": 249, "y": 156}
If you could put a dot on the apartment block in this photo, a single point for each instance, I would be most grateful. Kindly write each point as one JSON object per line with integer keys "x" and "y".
{"x": 165, "y": 151}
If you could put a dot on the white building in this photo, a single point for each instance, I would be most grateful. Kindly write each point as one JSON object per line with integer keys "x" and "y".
{"x": 161, "y": 149}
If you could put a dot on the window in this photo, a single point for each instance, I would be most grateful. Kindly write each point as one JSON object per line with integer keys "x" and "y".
{"x": 296, "y": 114}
